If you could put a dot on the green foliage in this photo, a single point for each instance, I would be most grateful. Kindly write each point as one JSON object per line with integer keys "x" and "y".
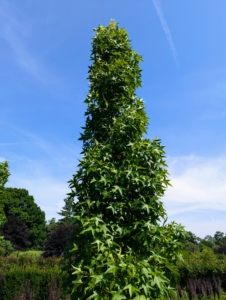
{"x": 204, "y": 264}
{"x": 25, "y": 259}
{"x": 28, "y": 276}
{"x": 18, "y": 202}
{"x": 6, "y": 247}
{"x": 220, "y": 238}
{"x": 202, "y": 273}
{"x": 15, "y": 231}
{"x": 4, "y": 174}
{"x": 217, "y": 243}
{"x": 120, "y": 250}
{"x": 57, "y": 240}
{"x": 28, "y": 253}
{"x": 51, "y": 225}
{"x": 33, "y": 283}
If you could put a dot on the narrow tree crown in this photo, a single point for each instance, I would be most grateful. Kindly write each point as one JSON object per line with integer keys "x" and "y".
{"x": 119, "y": 165}
{"x": 113, "y": 108}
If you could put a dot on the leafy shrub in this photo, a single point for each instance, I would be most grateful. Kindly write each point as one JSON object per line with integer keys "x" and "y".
{"x": 6, "y": 247}
{"x": 32, "y": 283}
{"x": 221, "y": 249}
{"x": 57, "y": 240}
{"x": 8, "y": 262}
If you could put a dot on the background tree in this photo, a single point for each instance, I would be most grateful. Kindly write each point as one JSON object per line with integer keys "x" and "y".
{"x": 219, "y": 238}
{"x": 19, "y": 203}
{"x": 15, "y": 231}
{"x": 67, "y": 210}
{"x": 192, "y": 242}
{"x": 120, "y": 249}
{"x": 51, "y": 225}
{"x": 208, "y": 241}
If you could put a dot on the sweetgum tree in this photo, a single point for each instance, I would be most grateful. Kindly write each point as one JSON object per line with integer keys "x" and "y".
{"x": 121, "y": 248}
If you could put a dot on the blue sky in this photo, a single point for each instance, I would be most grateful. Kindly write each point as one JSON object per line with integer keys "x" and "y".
{"x": 44, "y": 58}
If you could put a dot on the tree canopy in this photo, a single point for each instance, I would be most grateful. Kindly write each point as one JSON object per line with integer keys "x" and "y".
{"x": 15, "y": 231}
{"x": 57, "y": 240}
{"x": 120, "y": 249}
{"x": 18, "y": 202}
{"x": 67, "y": 210}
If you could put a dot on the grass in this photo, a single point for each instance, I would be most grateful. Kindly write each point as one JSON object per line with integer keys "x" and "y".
{"x": 30, "y": 253}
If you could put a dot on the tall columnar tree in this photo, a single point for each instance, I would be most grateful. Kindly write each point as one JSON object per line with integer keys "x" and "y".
{"x": 122, "y": 249}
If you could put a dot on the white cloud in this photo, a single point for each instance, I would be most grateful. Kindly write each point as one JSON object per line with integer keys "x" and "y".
{"x": 198, "y": 192}
{"x": 43, "y": 168}
{"x": 48, "y": 191}
{"x": 45, "y": 179}
{"x": 197, "y": 198}
{"x": 166, "y": 29}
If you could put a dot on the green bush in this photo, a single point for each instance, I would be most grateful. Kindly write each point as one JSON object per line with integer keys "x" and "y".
{"x": 30, "y": 253}
{"x": 7, "y": 263}
{"x": 6, "y": 247}
{"x": 32, "y": 283}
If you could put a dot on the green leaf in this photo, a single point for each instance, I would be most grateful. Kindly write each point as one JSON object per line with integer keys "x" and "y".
{"x": 117, "y": 188}
{"x": 111, "y": 269}
{"x": 118, "y": 296}
{"x": 98, "y": 242}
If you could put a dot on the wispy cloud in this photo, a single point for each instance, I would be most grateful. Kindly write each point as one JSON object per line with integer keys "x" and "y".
{"x": 16, "y": 33}
{"x": 198, "y": 191}
{"x": 165, "y": 27}
{"x": 48, "y": 191}
{"x": 41, "y": 166}
{"x": 13, "y": 144}
{"x": 45, "y": 178}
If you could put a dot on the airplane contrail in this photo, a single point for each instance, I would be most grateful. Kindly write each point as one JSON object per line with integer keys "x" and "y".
{"x": 166, "y": 29}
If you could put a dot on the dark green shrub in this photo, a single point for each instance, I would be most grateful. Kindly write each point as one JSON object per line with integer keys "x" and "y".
{"x": 37, "y": 284}
{"x": 16, "y": 232}
{"x": 57, "y": 240}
